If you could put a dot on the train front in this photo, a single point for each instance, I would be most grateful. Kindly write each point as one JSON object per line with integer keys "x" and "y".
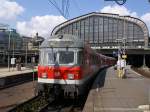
{"x": 59, "y": 68}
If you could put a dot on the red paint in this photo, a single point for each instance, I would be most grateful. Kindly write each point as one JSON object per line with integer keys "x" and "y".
{"x": 60, "y": 72}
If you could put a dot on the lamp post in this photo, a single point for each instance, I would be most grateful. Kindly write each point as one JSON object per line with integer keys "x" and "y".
{"x": 124, "y": 51}
{"x": 124, "y": 35}
{"x": 9, "y": 50}
{"x": 26, "y": 57}
{"x": 13, "y": 54}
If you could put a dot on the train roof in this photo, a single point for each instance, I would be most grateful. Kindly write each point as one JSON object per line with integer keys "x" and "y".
{"x": 63, "y": 41}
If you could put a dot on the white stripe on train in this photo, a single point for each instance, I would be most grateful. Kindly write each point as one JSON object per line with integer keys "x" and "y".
{"x": 60, "y": 81}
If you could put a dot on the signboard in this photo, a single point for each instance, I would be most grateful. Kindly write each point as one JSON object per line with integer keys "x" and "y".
{"x": 124, "y": 56}
{"x": 13, "y": 61}
{"x": 33, "y": 59}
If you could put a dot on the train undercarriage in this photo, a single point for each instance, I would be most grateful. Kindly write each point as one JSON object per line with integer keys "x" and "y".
{"x": 52, "y": 91}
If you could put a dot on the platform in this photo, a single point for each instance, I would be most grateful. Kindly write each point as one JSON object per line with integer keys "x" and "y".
{"x": 14, "y": 77}
{"x": 112, "y": 94}
{"x": 4, "y": 72}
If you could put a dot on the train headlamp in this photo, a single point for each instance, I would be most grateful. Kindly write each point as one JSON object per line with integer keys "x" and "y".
{"x": 70, "y": 76}
{"x": 44, "y": 75}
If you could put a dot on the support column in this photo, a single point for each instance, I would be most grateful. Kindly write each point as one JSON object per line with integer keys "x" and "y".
{"x": 144, "y": 64}
{"x": 3, "y": 57}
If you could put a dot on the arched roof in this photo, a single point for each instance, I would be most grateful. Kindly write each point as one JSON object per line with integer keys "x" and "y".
{"x": 134, "y": 20}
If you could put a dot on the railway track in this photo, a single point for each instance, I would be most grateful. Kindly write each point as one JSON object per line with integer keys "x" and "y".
{"x": 40, "y": 104}
{"x": 33, "y": 105}
{"x": 12, "y": 96}
{"x": 65, "y": 105}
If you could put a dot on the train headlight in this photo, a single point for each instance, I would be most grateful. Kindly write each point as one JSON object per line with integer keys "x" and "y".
{"x": 44, "y": 75}
{"x": 70, "y": 76}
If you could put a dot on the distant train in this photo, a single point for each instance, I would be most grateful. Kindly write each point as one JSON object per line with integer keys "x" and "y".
{"x": 67, "y": 64}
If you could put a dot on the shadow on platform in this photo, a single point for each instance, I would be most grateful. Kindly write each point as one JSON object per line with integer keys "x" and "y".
{"x": 100, "y": 79}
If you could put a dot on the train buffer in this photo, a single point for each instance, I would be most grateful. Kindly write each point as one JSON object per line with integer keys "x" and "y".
{"x": 118, "y": 95}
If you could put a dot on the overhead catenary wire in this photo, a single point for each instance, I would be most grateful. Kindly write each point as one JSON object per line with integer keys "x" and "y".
{"x": 62, "y": 6}
{"x": 56, "y": 6}
{"x": 67, "y": 8}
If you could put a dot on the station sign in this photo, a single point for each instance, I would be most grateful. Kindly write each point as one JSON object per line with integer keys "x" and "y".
{"x": 33, "y": 59}
{"x": 124, "y": 56}
{"x": 13, "y": 61}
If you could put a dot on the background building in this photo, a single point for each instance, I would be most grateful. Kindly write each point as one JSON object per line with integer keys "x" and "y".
{"x": 13, "y": 45}
{"x": 102, "y": 30}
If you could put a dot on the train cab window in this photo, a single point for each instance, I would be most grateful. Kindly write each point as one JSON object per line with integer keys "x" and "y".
{"x": 52, "y": 58}
{"x": 66, "y": 57}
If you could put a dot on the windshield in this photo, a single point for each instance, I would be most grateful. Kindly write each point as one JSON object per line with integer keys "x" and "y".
{"x": 52, "y": 57}
{"x": 66, "y": 57}
{"x": 49, "y": 57}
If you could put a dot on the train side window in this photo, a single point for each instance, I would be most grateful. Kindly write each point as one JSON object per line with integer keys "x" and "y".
{"x": 44, "y": 57}
{"x": 41, "y": 57}
{"x": 80, "y": 57}
{"x": 96, "y": 60}
{"x": 93, "y": 59}
{"x": 102, "y": 62}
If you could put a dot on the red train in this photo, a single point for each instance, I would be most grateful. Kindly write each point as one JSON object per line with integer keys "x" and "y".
{"x": 67, "y": 64}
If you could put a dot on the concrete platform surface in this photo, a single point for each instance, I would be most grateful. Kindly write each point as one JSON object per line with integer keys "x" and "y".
{"x": 112, "y": 94}
{"x": 4, "y": 72}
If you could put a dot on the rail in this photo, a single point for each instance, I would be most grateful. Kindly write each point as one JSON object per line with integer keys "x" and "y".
{"x": 33, "y": 105}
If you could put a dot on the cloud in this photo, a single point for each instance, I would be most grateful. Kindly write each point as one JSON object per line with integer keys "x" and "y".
{"x": 45, "y": 24}
{"x": 146, "y": 19}
{"x": 115, "y": 9}
{"x": 121, "y": 10}
{"x": 9, "y": 10}
{"x": 41, "y": 24}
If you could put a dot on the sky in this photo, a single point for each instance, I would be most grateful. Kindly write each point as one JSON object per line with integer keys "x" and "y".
{"x": 31, "y": 16}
